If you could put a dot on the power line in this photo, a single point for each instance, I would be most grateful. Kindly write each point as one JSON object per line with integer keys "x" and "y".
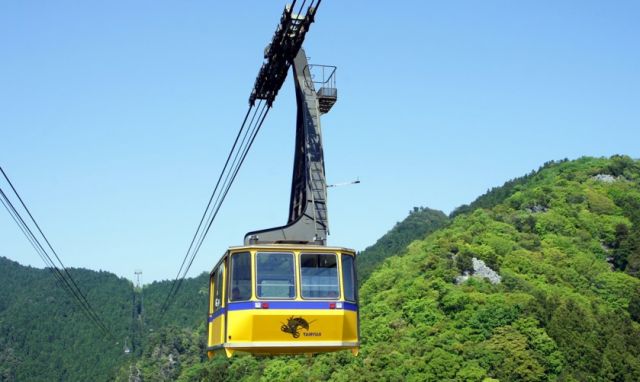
{"x": 66, "y": 281}
{"x": 62, "y": 281}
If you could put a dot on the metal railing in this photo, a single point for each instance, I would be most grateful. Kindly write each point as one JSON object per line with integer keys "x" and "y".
{"x": 321, "y": 77}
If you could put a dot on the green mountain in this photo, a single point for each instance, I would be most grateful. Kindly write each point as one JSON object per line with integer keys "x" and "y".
{"x": 534, "y": 281}
{"x": 45, "y": 337}
{"x": 497, "y": 195}
{"x": 565, "y": 244}
{"x": 420, "y": 222}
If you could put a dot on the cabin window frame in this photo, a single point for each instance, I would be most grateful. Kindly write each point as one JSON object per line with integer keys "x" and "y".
{"x": 231, "y": 278}
{"x": 211, "y": 290}
{"x": 293, "y": 273}
{"x": 218, "y": 288}
{"x": 338, "y": 274}
{"x": 354, "y": 277}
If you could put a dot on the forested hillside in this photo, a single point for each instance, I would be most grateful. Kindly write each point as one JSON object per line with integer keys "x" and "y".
{"x": 564, "y": 242}
{"x": 564, "y": 305}
{"x": 45, "y": 337}
{"x": 497, "y": 195}
{"x": 420, "y": 222}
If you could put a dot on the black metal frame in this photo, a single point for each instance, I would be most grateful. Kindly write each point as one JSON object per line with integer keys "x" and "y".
{"x": 328, "y": 76}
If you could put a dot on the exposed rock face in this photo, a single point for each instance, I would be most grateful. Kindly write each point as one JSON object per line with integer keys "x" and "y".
{"x": 536, "y": 209}
{"x": 605, "y": 178}
{"x": 482, "y": 270}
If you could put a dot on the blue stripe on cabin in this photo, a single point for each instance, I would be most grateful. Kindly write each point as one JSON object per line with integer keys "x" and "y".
{"x": 290, "y": 305}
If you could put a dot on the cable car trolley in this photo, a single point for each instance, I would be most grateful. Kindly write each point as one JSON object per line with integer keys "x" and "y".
{"x": 285, "y": 291}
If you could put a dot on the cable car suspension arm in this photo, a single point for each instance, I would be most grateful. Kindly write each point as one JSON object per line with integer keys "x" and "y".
{"x": 279, "y": 55}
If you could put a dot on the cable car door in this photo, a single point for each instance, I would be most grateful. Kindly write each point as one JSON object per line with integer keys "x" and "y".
{"x": 217, "y": 306}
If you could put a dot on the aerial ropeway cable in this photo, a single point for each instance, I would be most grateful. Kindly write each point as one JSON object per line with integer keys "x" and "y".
{"x": 220, "y": 191}
{"x": 286, "y": 44}
{"x": 204, "y": 216}
{"x": 62, "y": 275}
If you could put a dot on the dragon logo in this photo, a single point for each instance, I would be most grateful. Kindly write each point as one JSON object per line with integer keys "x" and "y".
{"x": 293, "y": 325}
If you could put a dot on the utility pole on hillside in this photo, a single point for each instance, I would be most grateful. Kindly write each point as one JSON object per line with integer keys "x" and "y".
{"x": 138, "y": 273}
{"x": 137, "y": 325}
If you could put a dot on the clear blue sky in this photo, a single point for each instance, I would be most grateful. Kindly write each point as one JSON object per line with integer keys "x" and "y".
{"x": 116, "y": 116}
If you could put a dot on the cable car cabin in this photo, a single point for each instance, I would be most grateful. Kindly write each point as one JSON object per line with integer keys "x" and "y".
{"x": 272, "y": 296}
{"x": 283, "y": 299}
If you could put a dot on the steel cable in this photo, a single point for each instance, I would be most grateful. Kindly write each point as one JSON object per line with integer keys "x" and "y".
{"x": 65, "y": 279}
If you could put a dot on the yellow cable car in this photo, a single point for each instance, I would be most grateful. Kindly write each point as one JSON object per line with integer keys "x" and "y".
{"x": 285, "y": 291}
{"x": 283, "y": 299}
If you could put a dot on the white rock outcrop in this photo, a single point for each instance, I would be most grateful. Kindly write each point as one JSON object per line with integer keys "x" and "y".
{"x": 482, "y": 270}
{"x": 605, "y": 178}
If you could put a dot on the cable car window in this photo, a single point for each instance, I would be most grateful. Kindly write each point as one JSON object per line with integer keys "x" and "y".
{"x": 275, "y": 276}
{"x": 212, "y": 280}
{"x": 240, "y": 285}
{"x": 348, "y": 278}
{"x": 217, "y": 290}
{"x": 319, "y": 275}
